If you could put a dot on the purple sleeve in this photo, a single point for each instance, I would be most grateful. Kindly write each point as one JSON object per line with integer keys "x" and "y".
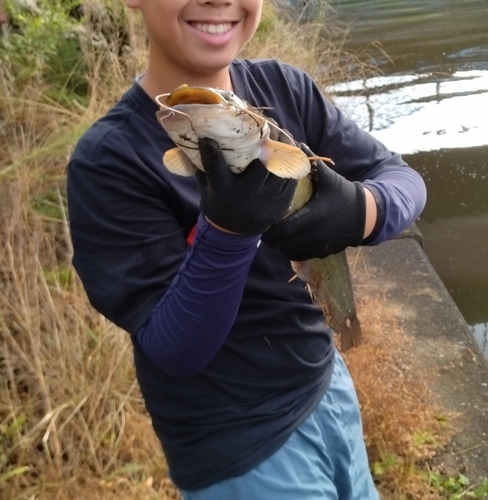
{"x": 358, "y": 156}
{"x": 401, "y": 196}
{"x": 195, "y": 315}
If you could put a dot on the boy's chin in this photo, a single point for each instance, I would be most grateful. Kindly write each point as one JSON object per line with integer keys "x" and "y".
{"x": 213, "y": 67}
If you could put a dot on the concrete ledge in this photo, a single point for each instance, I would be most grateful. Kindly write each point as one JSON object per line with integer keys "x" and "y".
{"x": 399, "y": 274}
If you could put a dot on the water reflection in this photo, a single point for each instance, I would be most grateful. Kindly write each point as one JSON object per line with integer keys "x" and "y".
{"x": 419, "y": 35}
{"x": 480, "y": 332}
{"x": 420, "y": 112}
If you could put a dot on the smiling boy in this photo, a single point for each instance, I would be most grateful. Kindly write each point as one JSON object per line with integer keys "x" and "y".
{"x": 238, "y": 370}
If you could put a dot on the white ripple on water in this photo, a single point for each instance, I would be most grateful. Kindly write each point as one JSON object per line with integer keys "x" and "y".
{"x": 480, "y": 331}
{"x": 427, "y": 112}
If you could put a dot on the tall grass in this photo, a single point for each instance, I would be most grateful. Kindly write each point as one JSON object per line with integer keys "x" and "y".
{"x": 72, "y": 421}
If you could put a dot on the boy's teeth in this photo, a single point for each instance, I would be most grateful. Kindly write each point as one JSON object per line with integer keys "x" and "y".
{"x": 213, "y": 29}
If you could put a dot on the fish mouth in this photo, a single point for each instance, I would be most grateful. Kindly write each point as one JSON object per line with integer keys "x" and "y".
{"x": 193, "y": 95}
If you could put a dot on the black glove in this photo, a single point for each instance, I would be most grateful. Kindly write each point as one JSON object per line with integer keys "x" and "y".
{"x": 246, "y": 203}
{"x": 331, "y": 221}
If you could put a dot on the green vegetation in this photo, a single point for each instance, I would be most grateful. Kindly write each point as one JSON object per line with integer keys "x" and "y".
{"x": 72, "y": 422}
{"x": 45, "y": 47}
{"x": 458, "y": 487}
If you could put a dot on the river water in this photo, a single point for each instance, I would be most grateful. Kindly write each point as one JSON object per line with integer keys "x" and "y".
{"x": 430, "y": 103}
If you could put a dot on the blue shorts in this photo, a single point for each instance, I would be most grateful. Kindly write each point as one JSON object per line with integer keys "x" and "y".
{"x": 324, "y": 458}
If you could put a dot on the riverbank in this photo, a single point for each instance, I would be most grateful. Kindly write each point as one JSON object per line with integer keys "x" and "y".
{"x": 424, "y": 104}
{"x": 399, "y": 275}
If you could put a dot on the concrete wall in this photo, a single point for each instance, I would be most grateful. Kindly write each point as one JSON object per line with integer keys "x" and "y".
{"x": 399, "y": 275}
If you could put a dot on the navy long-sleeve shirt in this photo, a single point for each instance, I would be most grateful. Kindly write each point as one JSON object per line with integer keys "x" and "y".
{"x": 230, "y": 355}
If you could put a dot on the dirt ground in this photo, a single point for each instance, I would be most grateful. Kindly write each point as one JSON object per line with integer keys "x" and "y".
{"x": 400, "y": 275}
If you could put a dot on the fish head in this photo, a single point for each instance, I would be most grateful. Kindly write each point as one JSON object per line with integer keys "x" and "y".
{"x": 189, "y": 114}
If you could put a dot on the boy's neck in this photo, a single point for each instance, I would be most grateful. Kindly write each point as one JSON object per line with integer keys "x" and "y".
{"x": 156, "y": 81}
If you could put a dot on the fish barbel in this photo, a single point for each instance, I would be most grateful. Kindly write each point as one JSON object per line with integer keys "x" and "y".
{"x": 243, "y": 133}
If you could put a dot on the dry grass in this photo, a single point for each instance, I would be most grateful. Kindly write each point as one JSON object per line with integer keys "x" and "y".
{"x": 70, "y": 412}
{"x": 403, "y": 425}
{"x": 72, "y": 421}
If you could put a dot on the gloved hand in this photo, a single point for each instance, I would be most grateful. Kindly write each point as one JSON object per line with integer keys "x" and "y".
{"x": 246, "y": 203}
{"x": 331, "y": 221}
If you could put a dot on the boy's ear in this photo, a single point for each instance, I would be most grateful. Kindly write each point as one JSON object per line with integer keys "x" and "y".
{"x": 132, "y": 4}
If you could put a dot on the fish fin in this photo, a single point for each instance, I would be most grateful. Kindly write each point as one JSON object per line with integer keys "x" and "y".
{"x": 285, "y": 160}
{"x": 351, "y": 332}
{"x": 176, "y": 161}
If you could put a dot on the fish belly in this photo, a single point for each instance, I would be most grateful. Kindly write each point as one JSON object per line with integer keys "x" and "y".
{"x": 239, "y": 135}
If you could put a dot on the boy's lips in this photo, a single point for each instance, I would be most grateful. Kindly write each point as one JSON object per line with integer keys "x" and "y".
{"x": 213, "y": 33}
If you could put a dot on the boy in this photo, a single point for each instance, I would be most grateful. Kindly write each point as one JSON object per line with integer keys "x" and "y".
{"x": 237, "y": 368}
